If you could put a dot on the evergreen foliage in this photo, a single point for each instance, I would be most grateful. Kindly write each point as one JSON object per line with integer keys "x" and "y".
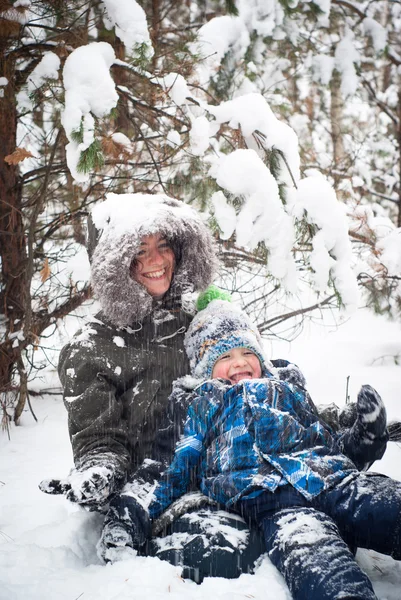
{"x": 140, "y": 57}
{"x": 231, "y": 8}
{"x": 91, "y": 159}
{"x": 78, "y": 135}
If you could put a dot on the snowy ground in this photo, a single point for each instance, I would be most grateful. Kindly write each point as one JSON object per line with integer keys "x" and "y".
{"x": 47, "y": 547}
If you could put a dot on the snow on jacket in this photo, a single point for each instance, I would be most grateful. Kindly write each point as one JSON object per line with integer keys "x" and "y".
{"x": 240, "y": 440}
{"x": 118, "y": 370}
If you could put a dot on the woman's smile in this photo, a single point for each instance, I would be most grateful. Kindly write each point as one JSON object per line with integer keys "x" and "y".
{"x": 155, "y": 274}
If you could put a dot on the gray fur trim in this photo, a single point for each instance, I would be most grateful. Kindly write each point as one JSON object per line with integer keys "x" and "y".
{"x": 123, "y": 300}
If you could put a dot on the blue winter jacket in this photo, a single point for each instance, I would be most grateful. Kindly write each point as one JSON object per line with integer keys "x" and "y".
{"x": 242, "y": 439}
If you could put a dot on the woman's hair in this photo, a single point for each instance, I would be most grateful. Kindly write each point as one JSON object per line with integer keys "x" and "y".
{"x": 176, "y": 247}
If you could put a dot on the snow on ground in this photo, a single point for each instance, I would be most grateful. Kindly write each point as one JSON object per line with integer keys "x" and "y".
{"x": 47, "y": 546}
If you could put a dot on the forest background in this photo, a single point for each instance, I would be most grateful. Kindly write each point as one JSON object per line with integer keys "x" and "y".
{"x": 279, "y": 120}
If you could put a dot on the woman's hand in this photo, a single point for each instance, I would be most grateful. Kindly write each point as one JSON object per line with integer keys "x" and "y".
{"x": 90, "y": 485}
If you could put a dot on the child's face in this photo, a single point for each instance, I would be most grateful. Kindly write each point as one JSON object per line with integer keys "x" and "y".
{"x": 237, "y": 364}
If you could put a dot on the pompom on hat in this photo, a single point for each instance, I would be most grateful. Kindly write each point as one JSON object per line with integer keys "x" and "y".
{"x": 219, "y": 327}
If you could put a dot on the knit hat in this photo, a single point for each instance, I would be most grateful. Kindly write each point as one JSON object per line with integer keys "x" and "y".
{"x": 218, "y": 328}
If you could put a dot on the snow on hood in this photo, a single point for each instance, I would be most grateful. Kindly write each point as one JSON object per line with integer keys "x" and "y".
{"x": 115, "y": 229}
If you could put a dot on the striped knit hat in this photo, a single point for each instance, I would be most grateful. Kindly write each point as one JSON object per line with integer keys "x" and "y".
{"x": 218, "y": 328}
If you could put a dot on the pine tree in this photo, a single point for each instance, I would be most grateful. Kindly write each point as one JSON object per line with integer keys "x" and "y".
{"x": 345, "y": 112}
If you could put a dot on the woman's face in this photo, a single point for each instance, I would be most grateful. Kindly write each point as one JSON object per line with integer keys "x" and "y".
{"x": 154, "y": 263}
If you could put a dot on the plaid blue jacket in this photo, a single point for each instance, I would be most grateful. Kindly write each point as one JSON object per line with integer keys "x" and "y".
{"x": 242, "y": 439}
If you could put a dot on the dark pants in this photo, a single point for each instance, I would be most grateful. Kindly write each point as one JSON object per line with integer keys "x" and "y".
{"x": 309, "y": 542}
{"x": 204, "y": 542}
{"x": 209, "y": 543}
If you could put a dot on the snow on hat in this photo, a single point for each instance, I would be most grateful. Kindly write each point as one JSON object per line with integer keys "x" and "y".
{"x": 218, "y": 328}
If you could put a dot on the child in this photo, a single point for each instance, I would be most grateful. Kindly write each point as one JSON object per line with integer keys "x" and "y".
{"x": 256, "y": 445}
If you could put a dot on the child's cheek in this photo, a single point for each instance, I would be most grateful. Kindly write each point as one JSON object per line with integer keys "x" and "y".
{"x": 220, "y": 370}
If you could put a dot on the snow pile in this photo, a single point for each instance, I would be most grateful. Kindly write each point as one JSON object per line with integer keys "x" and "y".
{"x": 117, "y": 213}
{"x": 173, "y": 138}
{"x": 369, "y": 222}
{"x": 120, "y": 139}
{"x": 346, "y": 57}
{"x": 332, "y": 253}
{"x": 89, "y": 92}
{"x": 3, "y": 83}
{"x": 199, "y": 135}
{"x": 214, "y": 40}
{"x": 129, "y": 20}
{"x": 262, "y": 217}
{"x": 377, "y": 32}
{"x": 325, "y": 6}
{"x": 261, "y": 129}
{"x": 231, "y": 37}
{"x": 17, "y": 12}
{"x": 390, "y": 247}
{"x": 46, "y": 69}
{"x": 322, "y": 68}
{"x": 224, "y": 214}
{"x": 380, "y": 228}
{"x": 176, "y": 87}
{"x": 234, "y": 34}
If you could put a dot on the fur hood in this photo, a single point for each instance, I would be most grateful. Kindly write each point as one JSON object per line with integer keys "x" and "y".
{"x": 115, "y": 229}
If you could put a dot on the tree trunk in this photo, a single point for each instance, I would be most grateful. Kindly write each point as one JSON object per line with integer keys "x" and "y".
{"x": 336, "y": 115}
{"x": 12, "y": 238}
{"x": 399, "y": 156}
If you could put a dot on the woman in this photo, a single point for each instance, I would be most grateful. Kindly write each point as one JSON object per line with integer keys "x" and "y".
{"x": 148, "y": 254}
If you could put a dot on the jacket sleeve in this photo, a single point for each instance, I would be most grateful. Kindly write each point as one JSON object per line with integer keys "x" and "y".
{"x": 341, "y": 422}
{"x": 287, "y": 371}
{"x": 189, "y": 449}
{"x": 98, "y": 432}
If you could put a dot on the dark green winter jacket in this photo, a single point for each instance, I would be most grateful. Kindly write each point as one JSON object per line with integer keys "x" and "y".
{"x": 117, "y": 371}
